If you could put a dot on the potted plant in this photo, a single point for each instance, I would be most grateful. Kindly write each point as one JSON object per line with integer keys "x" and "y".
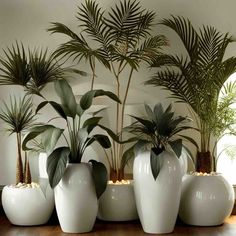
{"x": 197, "y": 80}
{"x": 157, "y": 174}
{"x": 120, "y": 39}
{"x": 77, "y": 185}
{"x": 32, "y": 71}
{"x": 22, "y": 199}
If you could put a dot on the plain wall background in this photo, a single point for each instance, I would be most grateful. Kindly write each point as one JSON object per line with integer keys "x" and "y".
{"x": 27, "y": 21}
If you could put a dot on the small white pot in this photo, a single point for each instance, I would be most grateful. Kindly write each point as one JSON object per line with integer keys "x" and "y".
{"x": 76, "y": 200}
{"x": 205, "y": 200}
{"x": 117, "y": 203}
{"x": 27, "y": 206}
{"x": 157, "y": 200}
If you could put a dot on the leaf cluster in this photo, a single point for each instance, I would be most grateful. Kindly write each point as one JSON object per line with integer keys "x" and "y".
{"x": 32, "y": 70}
{"x": 159, "y": 129}
{"x": 80, "y": 133}
{"x": 198, "y": 77}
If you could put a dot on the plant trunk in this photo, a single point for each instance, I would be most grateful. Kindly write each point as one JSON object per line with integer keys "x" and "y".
{"x": 116, "y": 175}
{"x": 19, "y": 164}
{"x": 27, "y": 173}
{"x": 203, "y": 162}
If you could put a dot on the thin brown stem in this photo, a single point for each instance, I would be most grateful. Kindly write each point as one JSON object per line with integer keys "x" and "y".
{"x": 92, "y": 65}
{"x": 19, "y": 164}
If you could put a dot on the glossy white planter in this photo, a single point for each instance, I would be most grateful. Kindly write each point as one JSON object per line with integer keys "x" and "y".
{"x": 76, "y": 200}
{"x": 205, "y": 200}
{"x": 117, "y": 203}
{"x": 157, "y": 200}
{"x": 28, "y": 206}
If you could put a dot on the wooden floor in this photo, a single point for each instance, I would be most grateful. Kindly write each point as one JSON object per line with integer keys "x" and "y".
{"x": 116, "y": 229}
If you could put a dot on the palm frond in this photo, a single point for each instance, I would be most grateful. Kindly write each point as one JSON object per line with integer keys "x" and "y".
{"x": 186, "y": 32}
{"x": 43, "y": 69}
{"x": 18, "y": 114}
{"x": 14, "y": 68}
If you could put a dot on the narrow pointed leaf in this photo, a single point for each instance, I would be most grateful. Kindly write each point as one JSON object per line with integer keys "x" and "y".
{"x": 156, "y": 162}
{"x": 176, "y": 146}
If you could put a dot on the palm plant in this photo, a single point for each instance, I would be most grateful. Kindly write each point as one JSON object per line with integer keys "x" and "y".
{"x": 19, "y": 116}
{"x": 159, "y": 130}
{"x": 32, "y": 71}
{"x": 120, "y": 39}
{"x": 79, "y": 134}
{"x": 197, "y": 79}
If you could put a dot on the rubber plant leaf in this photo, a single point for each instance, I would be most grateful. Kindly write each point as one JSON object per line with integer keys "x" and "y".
{"x": 65, "y": 93}
{"x": 156, "y": 162}
{"x": 91, "y": 123}
{"x": 99, "y": 174}
{"x": 36, "y": 131}
{"x": 103, "y": 140}
{"x": 87, "y": 98}
{"x": 56, "y": 106}
{"x": 56, "y": 165}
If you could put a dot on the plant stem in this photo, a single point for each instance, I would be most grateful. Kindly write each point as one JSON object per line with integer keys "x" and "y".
{"x": 19, "y": 164}
{"x": 92, "y": 65}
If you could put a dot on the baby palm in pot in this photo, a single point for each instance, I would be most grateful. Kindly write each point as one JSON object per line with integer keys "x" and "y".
{"x": 22, "y": 199}
{"x": 77, "y": 185}
{"x": 157, "y": 174}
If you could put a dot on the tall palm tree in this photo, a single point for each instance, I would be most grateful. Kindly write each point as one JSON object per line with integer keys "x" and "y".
{"x": 197, "y": 80}
{"x": 18, "y": 117}
{"x": 120, "y": 39}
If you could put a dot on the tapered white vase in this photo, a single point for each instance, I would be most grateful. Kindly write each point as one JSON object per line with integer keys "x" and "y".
{"x": 76, "y": 200}
{"x": 157, "y": 200}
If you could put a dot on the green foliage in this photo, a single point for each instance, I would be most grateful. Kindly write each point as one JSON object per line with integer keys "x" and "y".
{"x": 197, "y": 78}
{"x": 18, "y": 114}
{"x": 32, "y": 71}
{"x": 159, "y": 130}
{"x": 120, "y": 39}
{"x": 79, "y": 134}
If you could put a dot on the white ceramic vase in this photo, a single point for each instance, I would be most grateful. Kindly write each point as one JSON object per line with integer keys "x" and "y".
{"x": 117, "y": 203}
{"x": 205, "y": 200}
{"x": 76, "y": 200}
{"x": 157, "y": 200}
{"x": 28, "y": 206}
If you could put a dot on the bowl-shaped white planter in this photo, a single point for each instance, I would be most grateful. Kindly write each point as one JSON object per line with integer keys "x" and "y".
{"x": 205, "y": 200}
{"x": 117, "y": 203}
{"x": 27, "y": 206}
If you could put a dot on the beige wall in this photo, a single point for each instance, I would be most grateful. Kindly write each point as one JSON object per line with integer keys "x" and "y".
{"x": 26, "y": 21}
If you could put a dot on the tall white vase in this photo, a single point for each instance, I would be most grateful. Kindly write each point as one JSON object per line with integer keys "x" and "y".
{"x": 157, "y": 200}
{"x": 76, "y": 200}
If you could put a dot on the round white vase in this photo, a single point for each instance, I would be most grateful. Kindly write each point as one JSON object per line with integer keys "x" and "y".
{"x": 76, "y": 200}
{"x": 117, "y": 203}
{"x": 157, "y": 200}
{"x": 205, "y": 200}
{"x": 27, "y": 206}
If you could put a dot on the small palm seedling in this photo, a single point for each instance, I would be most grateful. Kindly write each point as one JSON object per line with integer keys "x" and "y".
{"x": 18, "y": 117}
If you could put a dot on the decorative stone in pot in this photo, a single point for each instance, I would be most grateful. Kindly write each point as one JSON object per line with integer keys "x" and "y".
{"x": 157, "y": 200}
{"x": 76, "y": 200}
{"x": 117, "y": 203}
{"x": 206, "y": 200}
{"x": 27, "y": 205}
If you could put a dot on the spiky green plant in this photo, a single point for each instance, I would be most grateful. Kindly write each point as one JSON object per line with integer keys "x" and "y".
{"x": 18, "y": 117}
{"x": 197, "y": 78}
{"x": 159, "y": 130}
{"x": 120, "y": 39}
{"x": 32, "y": 70}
